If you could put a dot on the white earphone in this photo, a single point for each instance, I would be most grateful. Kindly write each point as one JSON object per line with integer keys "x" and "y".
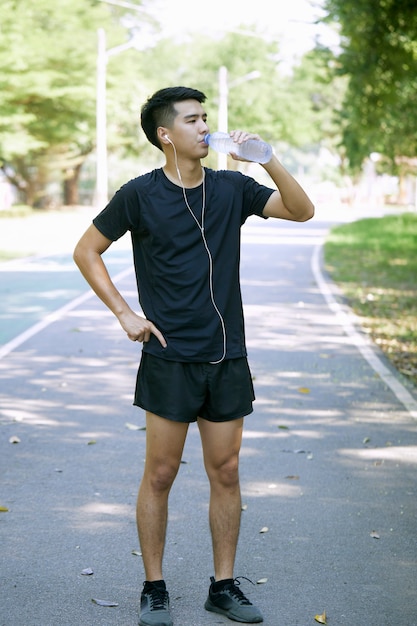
{"x": 203, "y": 236}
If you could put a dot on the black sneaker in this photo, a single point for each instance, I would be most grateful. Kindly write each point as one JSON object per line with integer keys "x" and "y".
{"x": 154, "y": 605}
{"x": 227, "y": 599}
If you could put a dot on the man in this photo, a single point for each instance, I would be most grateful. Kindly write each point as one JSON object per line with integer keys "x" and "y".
{"x": 185, "y": 226}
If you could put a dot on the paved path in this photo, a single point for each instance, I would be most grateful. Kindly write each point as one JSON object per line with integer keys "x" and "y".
{"x": 328, "y": 463}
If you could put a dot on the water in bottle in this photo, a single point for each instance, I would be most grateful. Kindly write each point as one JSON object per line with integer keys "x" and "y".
{"x": 253, "y": 149}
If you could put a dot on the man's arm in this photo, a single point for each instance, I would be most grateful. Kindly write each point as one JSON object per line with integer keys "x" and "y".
{"x": 87, "y": 256}
{"x": 289, "y": 202}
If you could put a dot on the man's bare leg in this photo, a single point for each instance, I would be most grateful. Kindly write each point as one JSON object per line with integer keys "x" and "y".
{"x": 164, "y": 446}
{"x": 221, "y": 446}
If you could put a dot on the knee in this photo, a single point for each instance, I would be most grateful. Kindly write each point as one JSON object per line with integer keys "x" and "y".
{"x": 226, "y": 473}
{"x": 161, "y": 477}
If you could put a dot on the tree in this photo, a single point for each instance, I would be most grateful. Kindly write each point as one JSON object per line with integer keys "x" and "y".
{"x": 379, "y": 55}
{"x": 47, "y": 91}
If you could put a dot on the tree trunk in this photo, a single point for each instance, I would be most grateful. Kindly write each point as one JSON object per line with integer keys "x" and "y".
{"x": 71, "y": 195}
{"x": 402, "y": 189}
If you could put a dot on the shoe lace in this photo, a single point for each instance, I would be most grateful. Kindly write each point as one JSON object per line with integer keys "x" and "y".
{"x": 158, "y": 599}
{"x": 238, "y": 595}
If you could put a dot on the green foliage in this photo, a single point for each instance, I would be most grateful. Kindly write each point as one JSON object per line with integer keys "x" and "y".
{"x": 317, "y": 85}
{"x": 379, "y": 54}
{"x": 249, "y": 101}
{"x": 47, "y": 87}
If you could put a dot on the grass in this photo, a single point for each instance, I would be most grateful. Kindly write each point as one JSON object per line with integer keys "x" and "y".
{"x": 374, "y": 262}
{"x": 17, "y": 210}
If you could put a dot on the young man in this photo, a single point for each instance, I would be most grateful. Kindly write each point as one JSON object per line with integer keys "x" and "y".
{"x": 185, "y": 225}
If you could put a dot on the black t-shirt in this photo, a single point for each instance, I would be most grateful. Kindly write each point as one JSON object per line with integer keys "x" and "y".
{"x": 172, "y": 264}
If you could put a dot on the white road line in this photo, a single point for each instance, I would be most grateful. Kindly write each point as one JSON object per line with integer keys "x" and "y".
{"x": 348, "y": 321}
{"x": 53, "y": 317}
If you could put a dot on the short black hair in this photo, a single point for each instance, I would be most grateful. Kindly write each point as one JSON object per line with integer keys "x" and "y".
{"x": 159, "y": 109}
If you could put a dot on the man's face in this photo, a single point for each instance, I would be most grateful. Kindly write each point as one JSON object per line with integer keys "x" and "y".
{"x": 189, "y": 129}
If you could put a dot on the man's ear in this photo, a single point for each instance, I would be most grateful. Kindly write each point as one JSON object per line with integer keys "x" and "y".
{"x": 163, "y": 135}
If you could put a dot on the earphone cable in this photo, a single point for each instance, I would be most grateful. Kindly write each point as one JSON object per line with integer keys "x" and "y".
{"x": 210, "y": 258}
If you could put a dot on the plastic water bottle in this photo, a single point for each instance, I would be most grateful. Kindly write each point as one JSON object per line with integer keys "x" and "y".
{"x": 252, "y": 149}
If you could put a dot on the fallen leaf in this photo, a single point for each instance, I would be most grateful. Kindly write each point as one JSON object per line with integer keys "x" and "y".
{"x": 14, "y": 439}
{"x": 264, "y": 529}
{"x": 92, "y": 442}
{"x": 321, "y": 619}
{"x": 261, "y": 581}
{"x": 4, "y": 509}
{"x": 294, "y": 451}
{"x": 366, "y": 440}
{"x": 104, "y": 602}
{"x": 87, "y": 572}
{"x": 132, "y": 426}
{"x": 292, "y": 477}
{"x": 136, "y": 553}
{"x": 375, "y": 535}
{"x": 244, "y": 507}
{"x": 283, "y": 427}
{"x": 303, "y": 389}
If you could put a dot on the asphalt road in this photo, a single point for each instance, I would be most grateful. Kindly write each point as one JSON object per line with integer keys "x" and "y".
{"x": 328, "y": 461}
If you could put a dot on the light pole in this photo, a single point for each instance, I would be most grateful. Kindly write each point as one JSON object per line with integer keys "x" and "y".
{"x": 222, "y": 120}
{"x": 103, "y": 55}
{"x": 100, "y": 194}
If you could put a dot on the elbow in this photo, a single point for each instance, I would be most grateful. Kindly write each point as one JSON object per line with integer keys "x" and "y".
{"x": 308, "y": 213}
{"x": 80, "y": 255}
{"x": 302, "y": 211}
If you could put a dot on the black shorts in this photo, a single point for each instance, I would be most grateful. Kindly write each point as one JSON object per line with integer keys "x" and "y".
{"x": 182, "y": 392}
